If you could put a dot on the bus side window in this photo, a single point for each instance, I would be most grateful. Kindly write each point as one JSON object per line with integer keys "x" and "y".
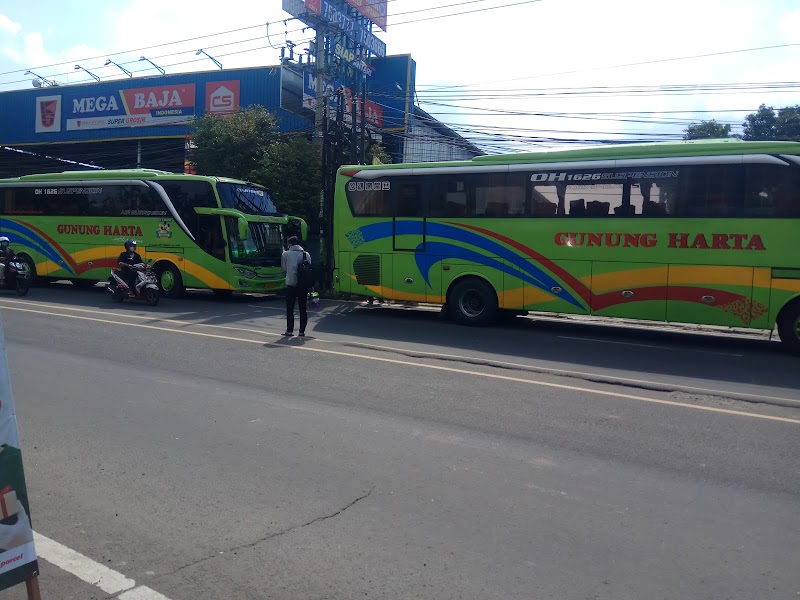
{"x": 500, "y": 194}
{"x": 772, "y": 191}
{"x": 210, "y": 236}
{"x": 710, "y": 191}
{"x": 409, "y": 200}
{"x": 448, "y": 196}
{"x": 370, "y": 199}
{"x": 185, "y": 195}
{"x": 542, "y": 204}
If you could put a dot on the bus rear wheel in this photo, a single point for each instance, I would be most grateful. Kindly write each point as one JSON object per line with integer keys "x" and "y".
{"x": 170, "y": 280}
{"x": 789, "y": 326}
{"x": 472, "y": 301}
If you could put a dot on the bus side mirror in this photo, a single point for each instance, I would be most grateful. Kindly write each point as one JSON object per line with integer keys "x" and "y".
{"x": 244, "y": 230}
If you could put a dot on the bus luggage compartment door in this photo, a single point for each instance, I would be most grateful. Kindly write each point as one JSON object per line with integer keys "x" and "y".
{"x": 710, "y": 295}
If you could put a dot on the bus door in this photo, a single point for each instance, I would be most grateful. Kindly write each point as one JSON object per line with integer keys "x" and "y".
{"x": 409, "y": 228}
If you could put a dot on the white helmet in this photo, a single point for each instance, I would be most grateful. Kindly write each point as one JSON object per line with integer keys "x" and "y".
{"x": 4, "y": 241}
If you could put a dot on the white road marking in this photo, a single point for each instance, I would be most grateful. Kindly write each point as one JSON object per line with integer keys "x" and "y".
{"x": 142, "y": 593}
{"x": 495, "y": 376}
{"x": 90, "y": 571}
{"x": 489, "y": 361}
{"x": 84, "y": 568}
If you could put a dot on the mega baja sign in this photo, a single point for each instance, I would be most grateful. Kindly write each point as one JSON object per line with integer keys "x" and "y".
{"x": 138, "y": 107}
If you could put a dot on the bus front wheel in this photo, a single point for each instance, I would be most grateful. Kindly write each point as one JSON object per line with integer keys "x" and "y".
{"x": 170, "y": 280}
{"x": 472, "y": 301}
{"x": 789, "y": 326}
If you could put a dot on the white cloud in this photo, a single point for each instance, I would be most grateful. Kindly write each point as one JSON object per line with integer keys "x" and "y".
{"x": 8, "y": 25}
{"x": 790, "y": 27}
{"x": 30, "y": 51}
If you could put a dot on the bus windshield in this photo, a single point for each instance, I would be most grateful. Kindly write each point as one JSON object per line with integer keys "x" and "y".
{"x": 262, "y": 248}
{"x": 248, "y": 199}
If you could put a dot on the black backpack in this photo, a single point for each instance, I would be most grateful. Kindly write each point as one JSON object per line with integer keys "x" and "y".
{"x": 305, "y": 273}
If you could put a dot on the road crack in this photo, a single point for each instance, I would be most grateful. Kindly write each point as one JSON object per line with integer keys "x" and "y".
{"x": 270, "y": 536}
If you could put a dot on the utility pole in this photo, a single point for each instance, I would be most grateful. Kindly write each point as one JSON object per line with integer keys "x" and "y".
{"x": 319, "y": 121}
{"x": 363, "y": 155}
{"x": 321, "y": 135}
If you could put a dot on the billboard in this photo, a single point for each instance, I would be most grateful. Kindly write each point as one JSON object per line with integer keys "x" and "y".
{"x": 137, "y": 107}
{"x": 392, "y": 85}
{"x": 374, "y": 10}
{"x": 17, "y": 552}
{"x": 337, "y": 18}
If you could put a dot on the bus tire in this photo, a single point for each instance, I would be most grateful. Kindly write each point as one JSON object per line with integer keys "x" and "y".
{"x": 472, "y": 301}
{"x": 169, "y": 280}
{"x": 33, "y": 279}
{"x": 789, "y": 326}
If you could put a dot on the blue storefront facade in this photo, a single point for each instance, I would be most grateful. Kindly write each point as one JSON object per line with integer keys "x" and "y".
{"x": 145, "y": 121}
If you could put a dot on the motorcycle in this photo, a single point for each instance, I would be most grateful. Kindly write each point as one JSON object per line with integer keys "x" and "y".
{"x": 146, "y": 287}
{"x": 17, "y": 276}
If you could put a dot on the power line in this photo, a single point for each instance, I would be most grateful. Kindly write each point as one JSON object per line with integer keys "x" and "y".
{"x": 620, "y": 66}
{"x": 466, "y": 12}
{"x": 103, "y": 56}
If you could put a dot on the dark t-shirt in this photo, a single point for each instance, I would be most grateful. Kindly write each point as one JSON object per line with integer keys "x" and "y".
{"x": 127, "y": 259}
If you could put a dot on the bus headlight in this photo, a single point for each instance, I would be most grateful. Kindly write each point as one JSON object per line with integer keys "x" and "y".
{"x": 246, "y": 272}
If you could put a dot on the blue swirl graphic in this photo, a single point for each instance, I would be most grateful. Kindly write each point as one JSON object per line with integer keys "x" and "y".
{"x": 436, "y": 252}
{"x": 26, "y": 237}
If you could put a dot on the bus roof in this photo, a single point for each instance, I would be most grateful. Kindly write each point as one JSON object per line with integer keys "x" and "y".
{"x": 613, "y": 152}
{"x": 651, "y": 150}
{"x": 100, "y": 174}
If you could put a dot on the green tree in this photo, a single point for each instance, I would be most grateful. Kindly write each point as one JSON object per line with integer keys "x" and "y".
{"x": 233, "y": 145}
{"x": 292, "y": 170}
{"x": 377, "y": 154}
{"x": 767, "y": 124}
{"x": 707, "y": 130}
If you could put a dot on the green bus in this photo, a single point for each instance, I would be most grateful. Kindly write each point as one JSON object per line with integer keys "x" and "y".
{"x": 692, "y": 232}
{"x": 200, "y": 232}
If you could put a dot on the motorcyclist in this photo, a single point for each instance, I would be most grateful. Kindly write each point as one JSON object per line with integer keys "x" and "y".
{"x": 127, "y": 260}
{"x": 6, "y": 254}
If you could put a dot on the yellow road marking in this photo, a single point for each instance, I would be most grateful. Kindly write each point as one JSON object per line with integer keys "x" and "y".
{"x": 425, "y": 366}
{"x": 490, "y": 362}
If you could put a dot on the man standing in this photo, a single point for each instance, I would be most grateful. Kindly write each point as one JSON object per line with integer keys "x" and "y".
{"x": 296, "y": 290}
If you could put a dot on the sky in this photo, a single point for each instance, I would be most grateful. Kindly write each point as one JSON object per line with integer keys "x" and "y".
{"x": 507, "y": 74}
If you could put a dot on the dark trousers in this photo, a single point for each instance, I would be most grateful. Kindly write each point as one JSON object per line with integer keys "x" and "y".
{"x": 130, "y": 277}
{"x": 299, "y": 295}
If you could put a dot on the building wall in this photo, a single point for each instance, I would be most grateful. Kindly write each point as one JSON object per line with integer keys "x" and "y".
{"x": 425, "y": 144}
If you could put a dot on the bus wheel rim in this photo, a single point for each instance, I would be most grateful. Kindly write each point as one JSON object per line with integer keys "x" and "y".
{"x": 167, "y": 280}
{"x": 797, "y": 328}
{"x": 471, "y": 304}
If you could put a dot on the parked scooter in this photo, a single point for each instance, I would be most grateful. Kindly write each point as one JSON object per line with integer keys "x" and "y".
{"x": 146, "y": 287}
{"x": 17, "y": 276}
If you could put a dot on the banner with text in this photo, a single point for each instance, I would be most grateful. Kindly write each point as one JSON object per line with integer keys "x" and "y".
{"x": 138, "y": 107}
{"x": 374, "y": 10}
{"x": 17, "y": 553}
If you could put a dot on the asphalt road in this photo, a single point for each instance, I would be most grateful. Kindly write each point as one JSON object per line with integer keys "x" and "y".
{"x": 396, "y": 455}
